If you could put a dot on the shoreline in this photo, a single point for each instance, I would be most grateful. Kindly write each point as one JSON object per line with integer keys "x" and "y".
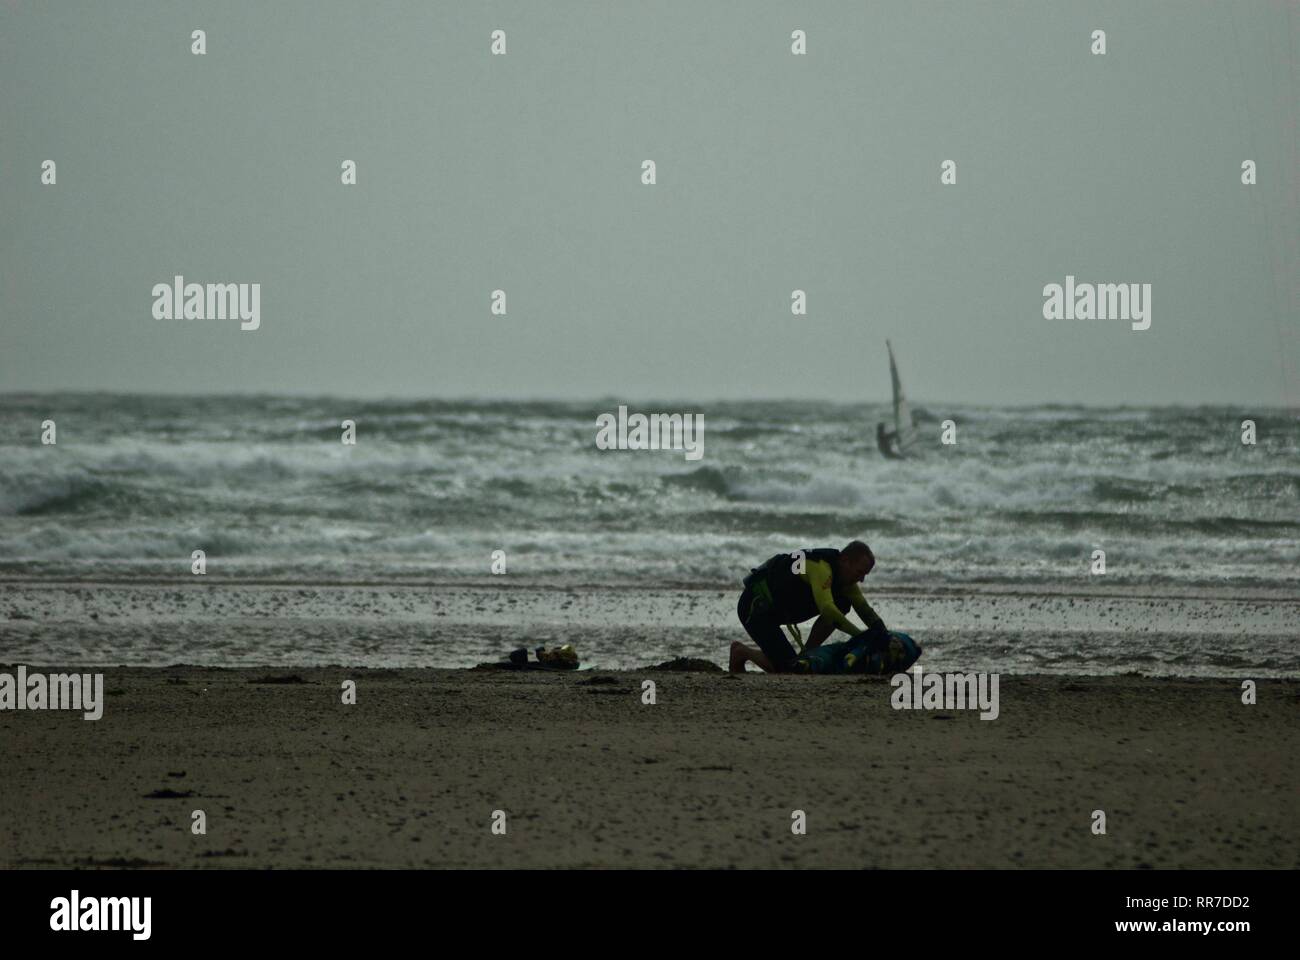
{"x": 1274, "y": 592}
{"x": 585, "y": 670}
{"x": 209, "y": 622}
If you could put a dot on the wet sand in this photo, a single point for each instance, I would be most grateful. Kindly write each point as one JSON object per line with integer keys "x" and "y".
{"x": 1066, "y": 629}
{"x": 589, "y": 776}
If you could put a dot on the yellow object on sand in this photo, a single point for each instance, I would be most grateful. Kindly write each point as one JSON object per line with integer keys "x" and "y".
{"x": 564, "y": 656}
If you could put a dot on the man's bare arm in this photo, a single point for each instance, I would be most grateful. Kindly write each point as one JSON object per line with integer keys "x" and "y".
{"x": 863, "y": 609}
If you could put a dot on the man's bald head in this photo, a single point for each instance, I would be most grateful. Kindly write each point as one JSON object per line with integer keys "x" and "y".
{"x": 856, "y": 561}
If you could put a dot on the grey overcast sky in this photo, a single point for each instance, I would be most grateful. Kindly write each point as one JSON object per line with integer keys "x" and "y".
{"x": 775, "y": 172}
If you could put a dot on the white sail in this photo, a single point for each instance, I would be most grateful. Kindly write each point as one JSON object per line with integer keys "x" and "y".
{"x": 906, "y": 429}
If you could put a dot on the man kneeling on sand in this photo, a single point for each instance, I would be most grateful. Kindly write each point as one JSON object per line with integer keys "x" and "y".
{"x": 794, "y": 587}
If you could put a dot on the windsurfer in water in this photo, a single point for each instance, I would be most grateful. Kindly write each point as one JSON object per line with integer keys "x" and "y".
{"x": 887, "y": 441}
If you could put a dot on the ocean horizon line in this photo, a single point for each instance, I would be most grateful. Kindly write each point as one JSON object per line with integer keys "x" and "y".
{"x": 646, "y": 402}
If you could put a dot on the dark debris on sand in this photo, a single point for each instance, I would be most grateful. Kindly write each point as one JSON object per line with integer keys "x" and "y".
{"x": 530, "y": 665}
{"x": 286, "y": 678}
{"x": 133, "y": 863}
{"x": 688, "y": 665}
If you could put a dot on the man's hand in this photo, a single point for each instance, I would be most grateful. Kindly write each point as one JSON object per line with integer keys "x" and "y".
{"x": 877, "y": 636}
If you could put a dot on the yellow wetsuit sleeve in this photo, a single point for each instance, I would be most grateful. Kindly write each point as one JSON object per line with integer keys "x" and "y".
{"x": 818, "y": 575}
{"x": 869, "y": 616}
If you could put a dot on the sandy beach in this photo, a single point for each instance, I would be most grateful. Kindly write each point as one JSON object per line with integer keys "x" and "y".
{"x": 590, "y": 776}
